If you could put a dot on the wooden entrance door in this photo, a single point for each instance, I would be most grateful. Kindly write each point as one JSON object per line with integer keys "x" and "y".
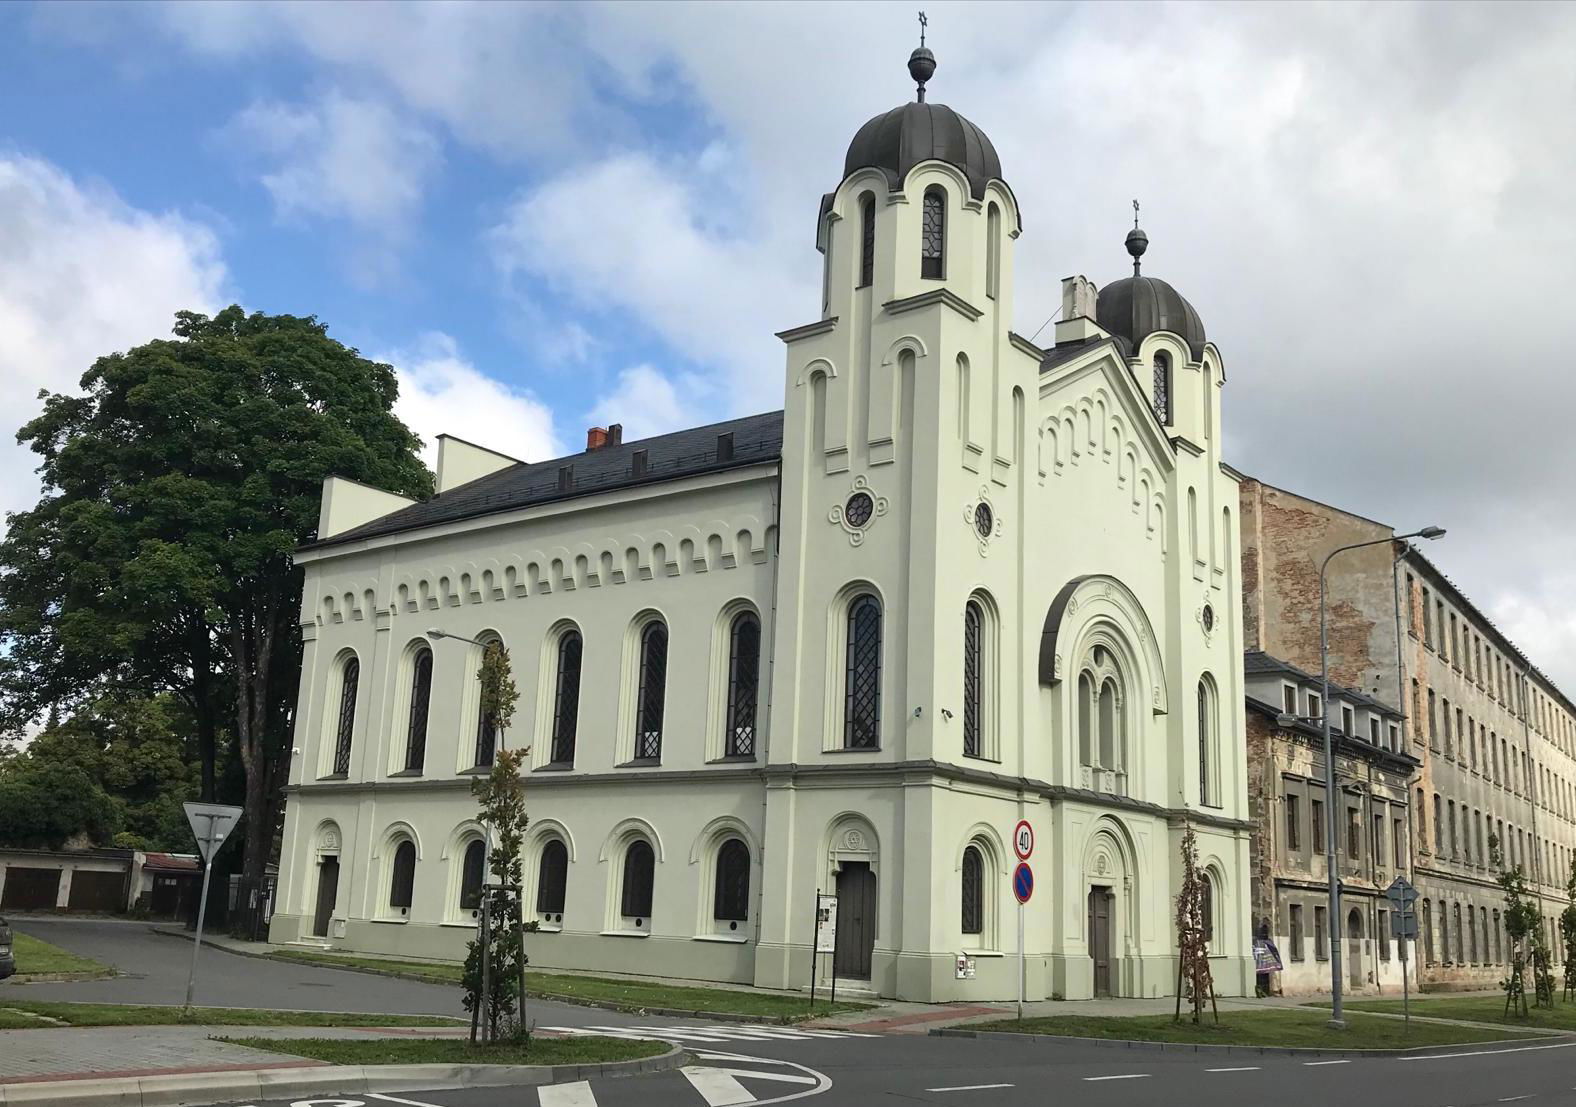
{"x": 327, "y": 894}
{"x": 856, "y": 920}
{"x": 1100, "y": 938}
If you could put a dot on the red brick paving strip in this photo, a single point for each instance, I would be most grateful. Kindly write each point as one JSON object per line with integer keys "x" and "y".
{"x": 898, "y": 1021}
{"x": 36, "y": 1078}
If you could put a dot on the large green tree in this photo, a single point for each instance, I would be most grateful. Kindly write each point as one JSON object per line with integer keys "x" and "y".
{"x": 158, "y": 558}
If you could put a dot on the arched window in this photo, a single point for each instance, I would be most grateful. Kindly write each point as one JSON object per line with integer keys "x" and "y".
{"x": 652, "y": 697}
{"x": 486, "y": 725}
{"x": 933, "y": 235}
{"x": 473, "y": 874}
{"x": 566, "y": 698}
{"x": 1208, "y": 786}
{"x": 640, "y": 869}
{"x": 1499, "y": 947}
{"x": 350, "y": 678}
{"x": 1162, "y": 397}
{"x": 730, "y": 901}
{"x": 744, "y": 678}
{"x": 973, "y": 680}
{"x": 420, "y": 701}
{"x": 862, "y": 688}
{"x": 1102, "y": 738}
{"x": 1458, "y": 945}
{"x": 867, "y": 239}
{"x": 1208, "y": 908}
{"x": 552, "y": 875}
{"x": 973, "y": 891}
{"x": 404, "y": 876}
{"x": 993, "y": 251}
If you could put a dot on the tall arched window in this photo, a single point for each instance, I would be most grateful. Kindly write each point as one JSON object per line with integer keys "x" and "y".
{"x": 640, "y": 870}
{"x": 993, "y": 251}
{"x": 1428, "y": 933}
{"x": 552, "y": 875}
{"x": 867, "y": 239}
{"x": 1162, "y": 397}
{"x": 652, "y": 697}
{"x": 566, "y": 698}
{"x": 486, "y": 725}
{"x": 933, "y": 235}
{"x": 420, "y": 701}
{"x": 1208, "y": 910}
{"x": 350, "y": 679}
{"x": 973, "y": 678}
{"x": 1102, "y": 737}
{"x": 730, "y": 900}
{"x": 473, "y": 874}
{"x": 403, "y": 880}
{"x": 744, "y": 678}
{"x": 973, "y": 891}
{"x": 862, "y": 686}
{"x": 1208, "y": 786}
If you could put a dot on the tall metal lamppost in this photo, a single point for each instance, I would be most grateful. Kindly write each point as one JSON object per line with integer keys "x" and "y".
{"x": 1332, "y": 861}
{"x": 482, "y": 929}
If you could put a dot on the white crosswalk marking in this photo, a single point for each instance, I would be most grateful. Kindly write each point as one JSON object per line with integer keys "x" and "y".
{"x": 708, "y": 1033}
{"x": 577, "y": 1094}
{"x": 781, "y": 1077}
{"x": 716, "y": 1087}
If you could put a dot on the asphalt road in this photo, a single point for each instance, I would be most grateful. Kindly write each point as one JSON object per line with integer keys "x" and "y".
{"x": 915, "y": 1069}
{"x": 736, "y": 1064}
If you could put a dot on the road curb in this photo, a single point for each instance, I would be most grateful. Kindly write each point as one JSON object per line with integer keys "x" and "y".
{"x": 179, "y": 1090}
{"x": 1205, "y": 1047}
{"x": 56, "y": 977}
{"x": 577, "y": 1001}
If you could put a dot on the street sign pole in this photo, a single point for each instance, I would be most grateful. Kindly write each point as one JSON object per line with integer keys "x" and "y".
{"x": 1023, "y": 846}
{"x": 211, "y": 824}
{"x": 1402, "y": 895}
{"x": 1021, "y": 963}
{"x": 1406, "y": 984}
{"x": 202, "y": 914}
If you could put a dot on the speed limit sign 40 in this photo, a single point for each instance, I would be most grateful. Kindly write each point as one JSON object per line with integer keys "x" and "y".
{"x": 1023, "y": 839}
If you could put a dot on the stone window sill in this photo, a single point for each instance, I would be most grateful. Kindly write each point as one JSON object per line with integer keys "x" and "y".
{"x": 555, "y": 767}
{"x": 475, "y": 770}
{"x": 726, "y": 939}
{"x": 625, "y": 934}
{"x": 852, "y": 749}
{"x": 733, "y": 759}
{"x": 641, "y": 763}
{"x": 335, "y": 776}
{"x": 457, "y": 923}
{"x": 984, "y": 952}
{"x": 405, "y": 773}
{"x": 392, "y": 922}
{"x": 549, "y": 928}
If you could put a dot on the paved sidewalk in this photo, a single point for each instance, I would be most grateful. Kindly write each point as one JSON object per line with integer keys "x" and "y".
{"x": 75, "y": 1053}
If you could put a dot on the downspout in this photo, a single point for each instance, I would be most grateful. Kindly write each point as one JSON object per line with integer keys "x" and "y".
{"x": 771, "y": 687}
{"x": 1532, "y": 792}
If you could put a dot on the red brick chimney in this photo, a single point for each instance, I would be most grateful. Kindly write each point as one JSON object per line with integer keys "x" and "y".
{"x": 596, "y": 438}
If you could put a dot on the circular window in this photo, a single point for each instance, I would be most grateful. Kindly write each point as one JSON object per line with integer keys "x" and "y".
{"x": 1209, "y": 617}
{"x": 858, "y": 509}
{"x": 984, "y": 519}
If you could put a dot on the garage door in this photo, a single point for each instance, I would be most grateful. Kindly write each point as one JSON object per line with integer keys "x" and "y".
{"x": 92, "y": 891}
{"x": 30, "y": 889}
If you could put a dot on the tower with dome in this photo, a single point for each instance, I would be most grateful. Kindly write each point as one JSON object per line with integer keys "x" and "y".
{"x": 958, "y": 581}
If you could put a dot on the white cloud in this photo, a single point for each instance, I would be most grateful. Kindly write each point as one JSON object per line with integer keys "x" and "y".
{"x": 630, "y": 238}
{"x": 647, "y": 403}
{"x": 83, "y": 274}
{"x": 346, "y": 159}
{"x": 442, "y": 393}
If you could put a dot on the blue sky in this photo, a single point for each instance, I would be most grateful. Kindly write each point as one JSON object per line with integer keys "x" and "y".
{"x": 552, "y": 215}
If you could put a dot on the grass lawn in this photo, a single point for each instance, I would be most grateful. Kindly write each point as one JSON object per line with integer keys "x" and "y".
{"x": 626, "y": 993}
{"x": 33, "y": 956}
{"x": 1282, "y": 1027}
{"x": 1562, "y": 1016}
{"x": 114, "y": 1014}
{"x": 452, "y": 1051}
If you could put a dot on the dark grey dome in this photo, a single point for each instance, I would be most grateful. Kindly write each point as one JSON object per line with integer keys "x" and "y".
{"x": 1136, "y": 307}
{"x": 905, "y": 136}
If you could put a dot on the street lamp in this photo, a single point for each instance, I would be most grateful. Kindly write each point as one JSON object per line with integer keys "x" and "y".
{"x": 1332, "y": 862}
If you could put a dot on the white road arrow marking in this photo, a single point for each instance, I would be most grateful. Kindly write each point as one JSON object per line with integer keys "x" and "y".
{"x": 716, "y": 1087}
{"x": 577, "y": 1094}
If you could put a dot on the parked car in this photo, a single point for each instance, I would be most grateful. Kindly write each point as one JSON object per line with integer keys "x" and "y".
{"x": 7, "y": 958}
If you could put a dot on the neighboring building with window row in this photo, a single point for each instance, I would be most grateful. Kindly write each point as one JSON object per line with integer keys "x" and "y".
{"x": 1286, "y": 790}
{"x": 958, "y": 580}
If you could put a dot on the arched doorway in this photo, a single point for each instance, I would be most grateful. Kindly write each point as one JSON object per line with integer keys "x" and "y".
{"x": 327, "y": 878}
{"x": 853, "y": 855}
{"x": 1354, "y": 947}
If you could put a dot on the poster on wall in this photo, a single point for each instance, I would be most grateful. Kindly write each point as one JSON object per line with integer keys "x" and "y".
{"x": 1266, "y": 958}
{"x": 965, "y": 967}
{"x": 826, "y": 924}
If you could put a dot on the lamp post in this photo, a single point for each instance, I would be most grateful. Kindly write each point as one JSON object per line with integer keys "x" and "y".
{"x": 1337, "y": 1021}
{"x": 484, "y": 930}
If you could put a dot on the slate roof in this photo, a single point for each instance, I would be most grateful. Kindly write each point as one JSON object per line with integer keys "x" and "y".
{"x": 1257, "y": 661}
{"x": 685, "y": 453}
